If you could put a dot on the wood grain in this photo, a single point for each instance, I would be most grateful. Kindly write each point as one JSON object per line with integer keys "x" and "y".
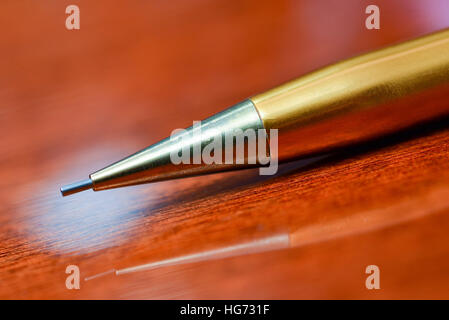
{"x": 74, "y": 101}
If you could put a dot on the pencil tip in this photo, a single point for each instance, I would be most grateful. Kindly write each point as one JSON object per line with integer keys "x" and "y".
{"x": 76, "y": 187}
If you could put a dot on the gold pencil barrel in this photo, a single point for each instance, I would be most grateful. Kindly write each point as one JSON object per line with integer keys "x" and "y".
{"x": 351, "y": 101}
{"x": 359, "y": 98}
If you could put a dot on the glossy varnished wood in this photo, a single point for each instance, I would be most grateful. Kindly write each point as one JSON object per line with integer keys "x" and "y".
{"x": 74, "y": 101}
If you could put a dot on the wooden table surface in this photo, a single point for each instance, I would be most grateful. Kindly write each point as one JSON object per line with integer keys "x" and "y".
{"x": 72, "y": 102}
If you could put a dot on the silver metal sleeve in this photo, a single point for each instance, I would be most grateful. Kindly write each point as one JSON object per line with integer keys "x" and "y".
{"x": 155, "y": 163}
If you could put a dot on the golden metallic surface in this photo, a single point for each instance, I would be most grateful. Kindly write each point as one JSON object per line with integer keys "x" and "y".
{"x": 359, "y": 98}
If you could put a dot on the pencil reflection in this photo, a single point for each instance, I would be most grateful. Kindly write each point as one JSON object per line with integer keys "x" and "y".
{"x": 307, "y": 234}
{"x": 261, "y": 245}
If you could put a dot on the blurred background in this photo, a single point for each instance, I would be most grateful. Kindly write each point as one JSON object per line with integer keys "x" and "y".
{"x": 73, "y": 101}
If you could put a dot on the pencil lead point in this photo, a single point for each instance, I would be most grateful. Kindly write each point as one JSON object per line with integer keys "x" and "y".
{"x": 76, "y": 187}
